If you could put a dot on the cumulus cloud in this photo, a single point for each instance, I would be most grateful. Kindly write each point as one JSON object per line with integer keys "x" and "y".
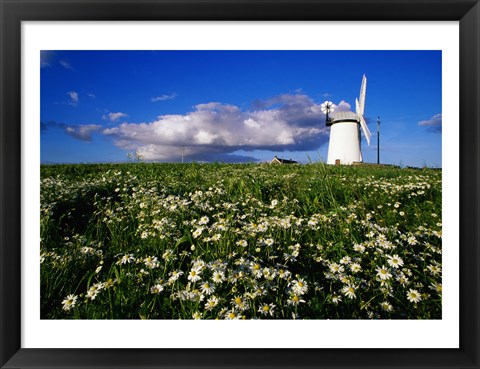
{"x": 213, "y": 130}
{"x": 83, "y": 132}
{"x": 74, "y": 98}
{"x": 44, "y": 126}
{"x": 164, "y": 97}
{"x": 113, "y": 117}
{"x": 49, "y": 58}
{"x": 342, "y": 106}
{"x": 434, "y": 124}
{"x": 66, "y": 64}
{"x": 46, "y": 58}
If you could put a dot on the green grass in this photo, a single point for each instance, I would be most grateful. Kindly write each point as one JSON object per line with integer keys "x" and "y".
{"x": 264, "y": 241}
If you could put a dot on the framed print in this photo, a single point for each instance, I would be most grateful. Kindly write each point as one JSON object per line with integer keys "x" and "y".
{"x": 281, "y": 164}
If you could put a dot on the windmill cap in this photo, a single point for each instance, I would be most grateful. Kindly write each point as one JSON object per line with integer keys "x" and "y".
{"x": 344, "y": 116}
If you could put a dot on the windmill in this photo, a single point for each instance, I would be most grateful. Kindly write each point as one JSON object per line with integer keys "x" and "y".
{"x": 344, "y": 145}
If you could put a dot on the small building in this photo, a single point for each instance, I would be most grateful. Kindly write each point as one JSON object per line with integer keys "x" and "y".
{"x": 277, "y": 160}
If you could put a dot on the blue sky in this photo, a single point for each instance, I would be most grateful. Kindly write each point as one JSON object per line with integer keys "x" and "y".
{"x": 235, "y": 106}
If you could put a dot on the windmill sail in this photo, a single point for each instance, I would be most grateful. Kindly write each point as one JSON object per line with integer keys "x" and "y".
{"x": 365, "y": 129}
{"x": 360, "y": 107}
{"x": 363, "y": 91}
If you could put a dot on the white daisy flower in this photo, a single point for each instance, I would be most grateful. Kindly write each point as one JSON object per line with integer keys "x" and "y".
{"x": 194, "y": 275}
{"x": 267, "y": 309}
{"x": 349, "y": 291}
{"x": 69, "y": 302}
{"x": 394, "y": 261}
{"x": 413, "y": 296}
{"x": 383, "y": 273}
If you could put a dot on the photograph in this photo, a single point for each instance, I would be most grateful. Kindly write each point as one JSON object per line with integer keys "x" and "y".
{"x": 241, "y": 184}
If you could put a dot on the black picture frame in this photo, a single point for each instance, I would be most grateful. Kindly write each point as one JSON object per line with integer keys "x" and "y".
{"x": 13, "y": 12}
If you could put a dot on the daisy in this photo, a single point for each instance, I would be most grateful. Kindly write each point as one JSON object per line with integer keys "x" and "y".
{"x": 218, "y": 276}
{"x": 413, "y": 296}
{"x": 336, "y": 299}
{"x": 69, "y": 302}
{"x": 242, "y": 243}
{"x": 256, "y": 270}
{"x": 207, "y": 288}
{"x": 359, "y": 248}
{"x": 436, "y": 287}
{"x": 335, "y": 268}
{"x": 355, "y": 267}
{"x": 197, "y": 315}
{"x": 386, "y": 306}
{"x": 151, "y": 262}
{"x": 299, "y": 287}
{"x": 174, "y": 275}
{"x": 197, "y": 232}
{"x": 198, "y": 264}
{"x": 126, "y": 259}
{"x": 434, "y": 269}
{"x": 345, "y": 260}
{"x": 211, "y": 303}
{"x": 231, "y": 315}
{"x": 267, "y": 309}
{"x": 240, "y": 303}
{"x": 194, "y": 275}
{"x": 383, "y": 273}
{"x": 402, "y": 279}
{"x": 94, "y": 290}
{"x": 394, "y": 261}
{"x": 269, "y": 242}
{"x": 412, "y": 240}
{"x": 157, "y": 288}
{"x": 349, "y": 291}
{"x": 294, "y": 300}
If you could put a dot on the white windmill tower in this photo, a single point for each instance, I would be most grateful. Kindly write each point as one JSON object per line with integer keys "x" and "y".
{"x": 344, "y": 145}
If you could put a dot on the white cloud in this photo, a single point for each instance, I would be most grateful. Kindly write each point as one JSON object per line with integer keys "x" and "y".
{"x": 49, "y": 58}
{"x": 66, "y": 64}
{"x": 83, "y": 132}
{"x": 164, "y": 97}
{"x": 434, "y": 124}
{"x": 113, "y": 117}
{"x": 46, "y": 58}
{"x": 286, "y": 122}
{"x": 74, "y": 98}
{"x": 343, "y": 106}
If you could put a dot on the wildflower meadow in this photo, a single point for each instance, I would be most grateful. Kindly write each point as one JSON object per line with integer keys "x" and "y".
{"x": 240, "y": 241}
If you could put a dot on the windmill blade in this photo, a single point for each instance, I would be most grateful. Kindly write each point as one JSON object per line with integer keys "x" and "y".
{"x": 361, "y": 99}
{"x": 365, "y": 129}
{"x": 327, "y": 107}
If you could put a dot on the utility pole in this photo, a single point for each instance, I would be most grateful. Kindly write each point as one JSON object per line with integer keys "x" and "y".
{"x": 378, "y": 140}
{"x": 183, "y": 149}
